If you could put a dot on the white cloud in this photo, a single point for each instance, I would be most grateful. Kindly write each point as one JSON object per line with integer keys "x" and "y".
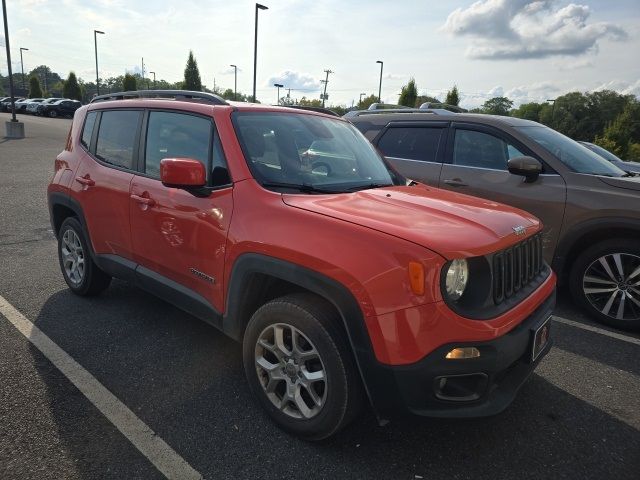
{"x": 620, "y": 86}
{"x": 523, "y": 29}
{"x": 295, "y": 81}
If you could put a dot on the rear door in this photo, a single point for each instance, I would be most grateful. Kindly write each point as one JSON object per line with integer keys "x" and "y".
{"x": 415, "y": 149}
{"x": 176, "y": 234}
{"x": 109, "y": 153}
{"x": 476, "y": 164}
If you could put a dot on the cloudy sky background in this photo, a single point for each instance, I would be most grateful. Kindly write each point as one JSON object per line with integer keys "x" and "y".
{"x": 528, "y": 50}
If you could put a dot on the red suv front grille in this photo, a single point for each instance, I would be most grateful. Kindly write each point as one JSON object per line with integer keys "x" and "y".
{"x": 515, "y": 267}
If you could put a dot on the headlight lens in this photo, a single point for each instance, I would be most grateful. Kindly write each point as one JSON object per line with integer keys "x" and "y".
{"x": 456, "y": 279}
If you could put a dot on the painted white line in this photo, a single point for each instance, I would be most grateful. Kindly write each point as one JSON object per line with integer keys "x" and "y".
{"x": 161, "y": 455}
{"x": 601, "y": 331}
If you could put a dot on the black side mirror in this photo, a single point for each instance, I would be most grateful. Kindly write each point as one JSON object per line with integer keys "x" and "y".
{"x": 528, "y": 167}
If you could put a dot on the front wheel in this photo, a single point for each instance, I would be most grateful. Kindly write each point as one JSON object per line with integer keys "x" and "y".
{"x": 53, "y": 114}
{"x": 299, "y": 367}
{"x": 605, "y": 281}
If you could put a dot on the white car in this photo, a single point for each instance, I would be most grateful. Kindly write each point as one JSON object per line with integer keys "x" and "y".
{"x": 38, "y": 106}
{"x": 32, "y": 105}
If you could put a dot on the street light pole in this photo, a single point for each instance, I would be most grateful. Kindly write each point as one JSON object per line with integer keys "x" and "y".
{"x": 154, "y": 79}
{"x": 326, "y": 80}
{"x": 255, "y": 49}
{"x": 14, "y": 128}
{"x": 95, "y": 43}
{"x": 22, "y": 66}
{"x": 360, "y": 101}
{"x": 235, "y": 82}
{"x": 380, "y": 86}
{"x": 553, "y": 108}
{"x": 278, "y": 86}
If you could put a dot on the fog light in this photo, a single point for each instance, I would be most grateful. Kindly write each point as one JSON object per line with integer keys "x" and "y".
{"x": 462, "y": 353}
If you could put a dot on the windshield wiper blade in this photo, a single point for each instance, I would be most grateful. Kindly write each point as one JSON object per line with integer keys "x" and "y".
{"x": 304, "y": 187}
{"x": 368, "y": 186}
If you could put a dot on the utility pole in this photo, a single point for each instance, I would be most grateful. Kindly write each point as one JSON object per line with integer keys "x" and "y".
{"x": 14, "y": 129}
{"x": 278, "y": 86}
{"x": 235, "y": 82}
{"x": 360, "y": 101}
{"x": 154, "y": 79}
{"x": 142, "y": 70}
{"x": 380, "y": 87}
{"x": 255, "y": 49}
{"x": 325, "y": 81}
{"x": 22, "y": 66}
{"x": 95, "y": 42}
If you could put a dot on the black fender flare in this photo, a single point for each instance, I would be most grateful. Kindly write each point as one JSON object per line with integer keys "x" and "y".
{"x": 376, "y": 379}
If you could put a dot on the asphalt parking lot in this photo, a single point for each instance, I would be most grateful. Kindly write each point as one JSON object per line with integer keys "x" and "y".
{"x": 577, "y": 417}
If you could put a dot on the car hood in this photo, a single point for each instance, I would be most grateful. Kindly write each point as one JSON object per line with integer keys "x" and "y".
{"x": 631, "y": 183}
{"x": 451, "y": 224}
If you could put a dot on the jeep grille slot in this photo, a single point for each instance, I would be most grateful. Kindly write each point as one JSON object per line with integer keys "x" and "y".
{"x": 515, "y": 267}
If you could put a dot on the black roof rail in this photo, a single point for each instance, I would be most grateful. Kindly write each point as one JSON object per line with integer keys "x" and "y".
{"x": 186, "y": 95}
{"x": 434, "y": 111}
{"x": 312, "y": 109}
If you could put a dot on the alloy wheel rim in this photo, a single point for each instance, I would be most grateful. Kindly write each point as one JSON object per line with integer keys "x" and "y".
{"x": 612, "y": 285}
{"x": 72, "y": 257}
{"x": 291, "y": 371}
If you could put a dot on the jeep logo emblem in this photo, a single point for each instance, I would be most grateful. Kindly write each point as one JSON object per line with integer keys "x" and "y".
{"x": 519, "y": 230}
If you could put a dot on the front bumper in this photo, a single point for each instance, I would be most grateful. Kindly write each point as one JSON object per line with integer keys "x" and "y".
{"x": 490, "y": 381}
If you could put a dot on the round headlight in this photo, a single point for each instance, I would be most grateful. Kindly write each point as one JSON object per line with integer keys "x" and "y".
{"x": 456, "y": 279}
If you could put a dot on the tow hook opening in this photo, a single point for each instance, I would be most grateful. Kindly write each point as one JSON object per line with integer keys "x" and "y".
{"x": 461, "y": 388}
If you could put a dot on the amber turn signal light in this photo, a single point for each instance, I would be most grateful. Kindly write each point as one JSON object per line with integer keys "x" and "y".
{"x": 416, "y": 277}
{"x": 461, "y": 353}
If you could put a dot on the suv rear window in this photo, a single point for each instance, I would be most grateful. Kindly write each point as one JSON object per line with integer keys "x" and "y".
{"x": 414, "y": 143}
{"x": 116, "y": 137}
{"x": 87, "y": 132}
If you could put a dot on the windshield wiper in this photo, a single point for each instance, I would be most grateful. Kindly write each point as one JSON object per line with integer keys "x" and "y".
{"x": 304, "y": 187}
{"x": 368, "y": 186}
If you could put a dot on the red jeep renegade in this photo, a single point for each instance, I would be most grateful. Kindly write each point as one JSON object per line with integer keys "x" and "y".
{"x": 286, "y": 229}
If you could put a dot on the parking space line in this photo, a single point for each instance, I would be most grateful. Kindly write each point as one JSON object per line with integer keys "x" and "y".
{"x": 156, "y": 450}
{"x": 601, "y": 331}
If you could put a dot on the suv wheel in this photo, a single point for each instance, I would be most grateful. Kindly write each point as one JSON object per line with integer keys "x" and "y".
{"x": 605, "y": 281}
{"x": 80, "y": 272}
{"x": 53, "y": 114}
{"x": 298, "y": 365}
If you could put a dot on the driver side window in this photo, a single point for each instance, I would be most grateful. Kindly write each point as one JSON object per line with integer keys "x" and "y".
{"x": 482, "y": 150}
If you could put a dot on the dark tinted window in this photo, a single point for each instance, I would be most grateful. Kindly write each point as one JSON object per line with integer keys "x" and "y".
{"x": 116, "y": 137}
{"x": 482, "y": 150}
{"x": 89, "y": 122}
{"x": 175, "y": 135}
{"x": 414, "y": 143}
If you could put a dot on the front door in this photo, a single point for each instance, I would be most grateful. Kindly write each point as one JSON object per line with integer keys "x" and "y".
{"x": 178, "y": 235}
{"x": 476, "y": 164}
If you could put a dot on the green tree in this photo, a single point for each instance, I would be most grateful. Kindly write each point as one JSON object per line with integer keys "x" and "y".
{"x": 367, "y": 101}
{"x": 129, "y": 83}
{"x": 453, "y": 96}
{"x": 425, "y": 99}
{"x": 72, "y": 88}
{"x": 528, "y": 111}
{"x": 34, "y": 88}
{"x": 409, "y": 94}
{"x": 192, "y": 75}
{"x": 305, "y": 102}
{"x": 621, "y": 136}
{"x": 497, "y": 106}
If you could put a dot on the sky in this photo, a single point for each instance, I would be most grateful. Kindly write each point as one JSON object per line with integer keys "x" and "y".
{"x": 527, "y": 50}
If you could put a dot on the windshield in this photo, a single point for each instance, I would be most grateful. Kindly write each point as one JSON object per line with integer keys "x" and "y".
{"x": 606, "y": 154}
{"x": 575, "y": 156}
{"x": 309, "y": 153}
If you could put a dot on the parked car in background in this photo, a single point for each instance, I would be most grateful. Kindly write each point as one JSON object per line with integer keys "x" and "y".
{"x": 590, "y": 208}
{"x": 336, "y": 284}
{"x": 21, "y": 105}
{"x": 5, "y": 105}
{"x": 617, "y": 161}
{"x": 32, "y": 105}
{"x": 48, "y": 101}
{"x": 60, "y": 108}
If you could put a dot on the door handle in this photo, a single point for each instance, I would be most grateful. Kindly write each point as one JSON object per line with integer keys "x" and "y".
{"x": 86, "y": 181}
{"x": 149, "y": 202}
{"x": 455, "y": 182}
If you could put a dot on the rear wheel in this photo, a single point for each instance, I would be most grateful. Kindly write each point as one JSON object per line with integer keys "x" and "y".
{"x": 80, "y": 272}
{"x": 298, "y": 365}
{"x": 605, "y": 281}
{"x": 53, "y": 114}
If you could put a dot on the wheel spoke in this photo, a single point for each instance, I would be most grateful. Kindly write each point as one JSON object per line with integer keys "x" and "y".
{"x": 590, "y": 291}
{"x": 314, "y": 395}
{"x": 592, "y": 279}
{"x": 301, "y": 404}
{"x": 312, "y": 377}
{"x": 607, "y": 307}
{"x": 634, "y": 274}
{"x": 618, "y": 261}
{"x": 620, "y": 313}
{"x": 605, "y": 265}
{"x": 278, "y": 337}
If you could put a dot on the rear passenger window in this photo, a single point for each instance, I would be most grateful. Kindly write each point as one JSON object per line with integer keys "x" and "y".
{"x": 87, "y": 131}
{"x": 176, "y": 135}
{"x": 116, "y": 137}
{"x": 414, "y": 143}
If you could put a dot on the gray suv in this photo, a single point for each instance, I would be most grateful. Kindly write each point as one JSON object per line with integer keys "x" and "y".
{"x": 590, "y": 208}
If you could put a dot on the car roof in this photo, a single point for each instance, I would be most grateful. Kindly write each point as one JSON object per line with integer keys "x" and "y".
{"x": 436, "y": 115}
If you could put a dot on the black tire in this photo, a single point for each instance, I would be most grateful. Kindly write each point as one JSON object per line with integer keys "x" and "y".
{"x": 317, "y": 321}
{"x": 93, "y": 280}
{"x": 53, "y": 114}
{"x": 596, "y": 304}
